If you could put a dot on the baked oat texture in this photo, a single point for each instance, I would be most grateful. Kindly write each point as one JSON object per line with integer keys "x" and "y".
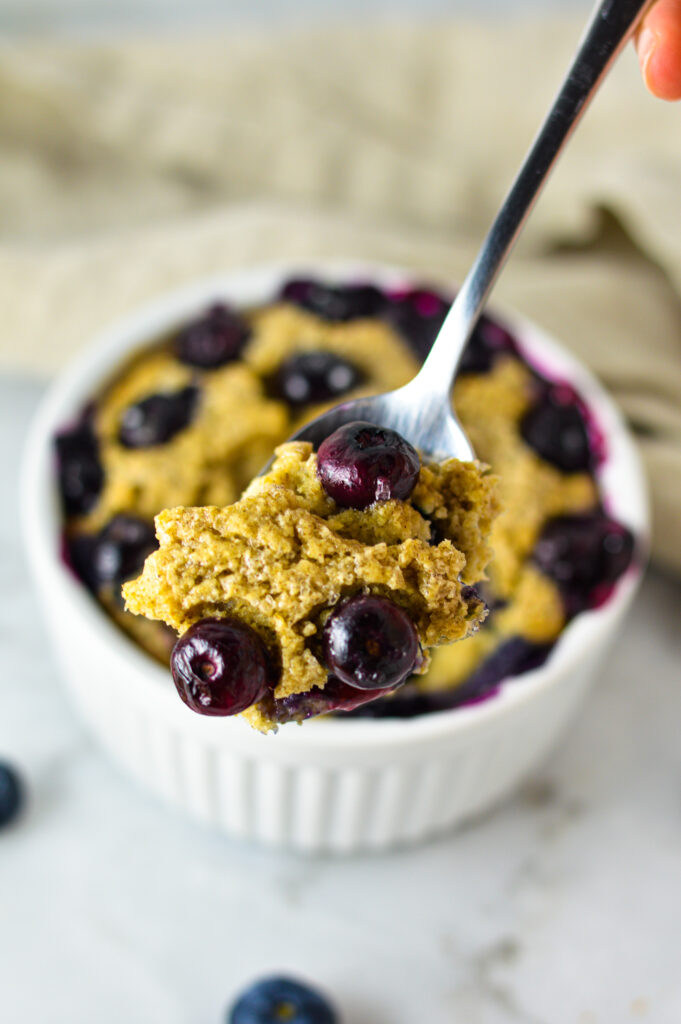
{"x": 284, "y": 555}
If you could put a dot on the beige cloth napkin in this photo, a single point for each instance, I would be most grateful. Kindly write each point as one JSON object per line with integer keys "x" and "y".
{"x": 136, "y": 165}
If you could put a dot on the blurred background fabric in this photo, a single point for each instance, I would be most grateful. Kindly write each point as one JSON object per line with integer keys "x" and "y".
{"x": 135, "y": 164}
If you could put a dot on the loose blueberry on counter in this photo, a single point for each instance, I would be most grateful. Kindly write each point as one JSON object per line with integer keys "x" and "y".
{"x": 418, "y": 315}
{"x": 158, "y": 418}
{"x": 334, "y": 302}
{"x": 213, "y": 340}
{"x": 584, "y": 555}
{"x": 79, "y": 470}
{"x": 11, "y": 794}
{"x": 220, "y": 667}
{"x": 556, "y": 429}
{"x": 281, "y": 1000}
{"x": 370, "y": 643}
{"x": 314, "y": 377}
{"x": 361, "y": 463}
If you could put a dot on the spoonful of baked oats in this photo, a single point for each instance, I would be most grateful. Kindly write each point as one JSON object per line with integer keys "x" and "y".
{"x": 327, "y": 584}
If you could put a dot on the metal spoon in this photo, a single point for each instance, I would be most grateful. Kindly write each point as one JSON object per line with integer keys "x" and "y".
{"x": 421, "y": 411}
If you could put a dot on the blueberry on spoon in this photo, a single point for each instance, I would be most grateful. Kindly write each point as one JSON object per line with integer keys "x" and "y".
{"x": 220, "y": 667}
{"x": 361, "y": 463}
{"x": 370, "y": 643}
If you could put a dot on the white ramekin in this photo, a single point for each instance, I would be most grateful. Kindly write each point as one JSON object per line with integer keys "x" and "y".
{"x": 332, "y": 785}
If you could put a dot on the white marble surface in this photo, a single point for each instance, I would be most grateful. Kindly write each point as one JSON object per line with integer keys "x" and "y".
{"x": 564, "y": 907}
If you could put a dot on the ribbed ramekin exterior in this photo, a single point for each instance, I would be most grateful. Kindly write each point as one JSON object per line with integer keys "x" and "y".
{"x": 331, "y": 786}
{"x": 312, "y": 798}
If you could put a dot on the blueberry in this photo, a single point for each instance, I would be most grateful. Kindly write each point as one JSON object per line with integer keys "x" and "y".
{"x": 334, "y": 302}
{"x": 220, "y": 667}
{"x": 79, "y": 470}
{"x": 488, "y": 341}
{"x": 418, "y": 315}
{"x": 156, "y": 419}
{"x": 314, "y": 377}
{"x": 213, "y": 340}
{"x": 370, "y": 643}
{"x": 556, "y": 429}
{"x": 113, "y": 555}
{"x": 11, "y": 794}
{"x": 361, "y": 463}
{"x": 281, "y": 1000}
{"x": 582, "y": 554}
{"x": 121, "y": 548}
{"x": 79, "y": 555}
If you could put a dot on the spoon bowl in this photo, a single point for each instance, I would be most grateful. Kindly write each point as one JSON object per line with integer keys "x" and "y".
{"x": 432, "y": 429}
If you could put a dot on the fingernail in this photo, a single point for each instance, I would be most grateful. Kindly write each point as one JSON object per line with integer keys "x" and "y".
{"x": 646, "y": 44}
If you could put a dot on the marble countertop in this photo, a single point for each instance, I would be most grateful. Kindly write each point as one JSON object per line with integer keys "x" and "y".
{"x": 563, "y": 907}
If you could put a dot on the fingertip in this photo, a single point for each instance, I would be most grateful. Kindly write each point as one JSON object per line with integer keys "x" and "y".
{"x": 662, "y": 75}
{"x": 658, "y": 45}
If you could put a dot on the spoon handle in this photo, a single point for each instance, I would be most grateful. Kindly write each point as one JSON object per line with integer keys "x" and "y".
{"x": 610, "y": 26}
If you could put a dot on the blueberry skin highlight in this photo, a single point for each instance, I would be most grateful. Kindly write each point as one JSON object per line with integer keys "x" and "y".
{"x": 361, "y": 463}
{"x": 313, "y": 376}
{"x": 370, "y": 643}
{"x": 220, "y": 667}
{"x": 158, "y": 418}
{"x": 584, "y": 555}
{"x": 281, "y": 1000}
